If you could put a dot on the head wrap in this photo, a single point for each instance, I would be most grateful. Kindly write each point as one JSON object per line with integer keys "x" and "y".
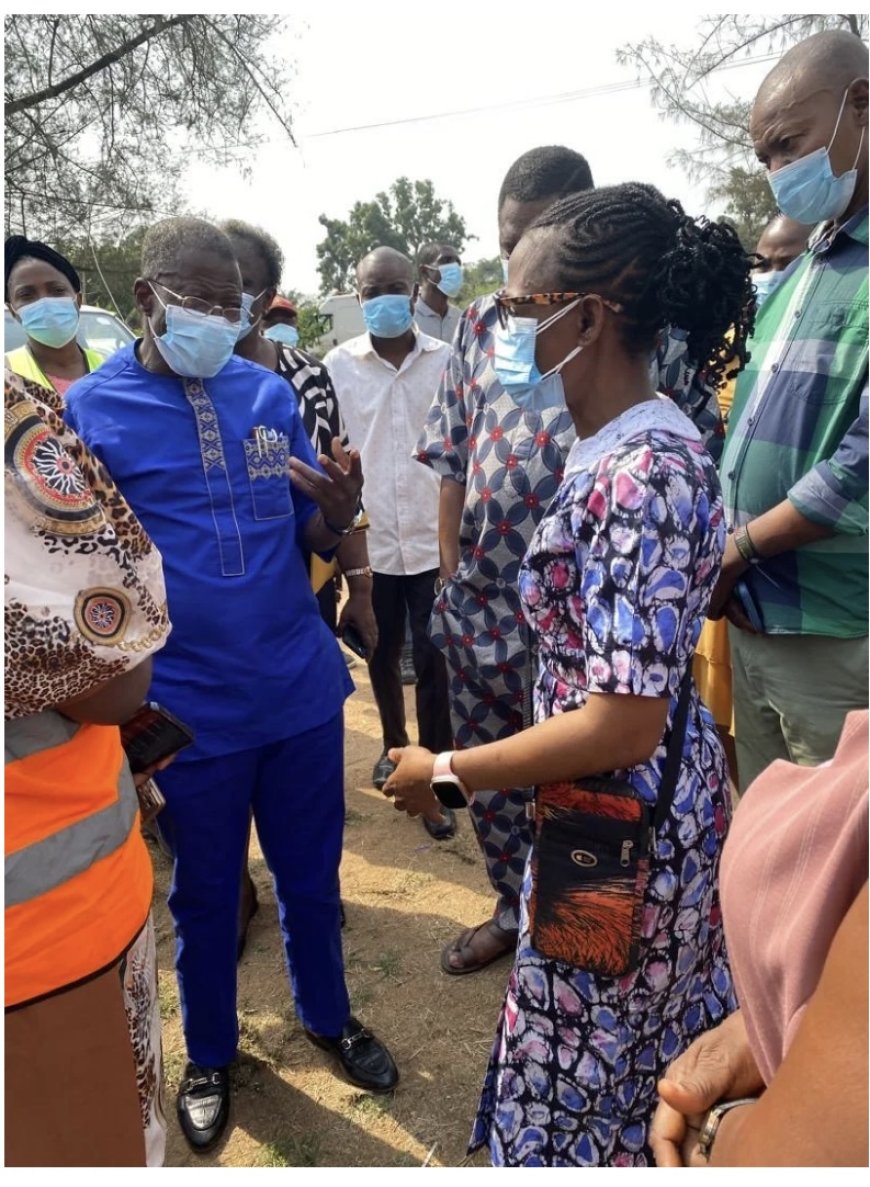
{"x": 19, "y": 247}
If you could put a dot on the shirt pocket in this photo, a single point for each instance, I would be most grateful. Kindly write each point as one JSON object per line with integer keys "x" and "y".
{"x": 831, "y": 358}
{"x": 269, "y": 476}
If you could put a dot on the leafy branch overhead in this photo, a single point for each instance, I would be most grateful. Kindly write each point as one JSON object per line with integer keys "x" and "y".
{"x": 407, "y": 217}
{"x": 102, "y": 111}
{"x": 679, "y": 77}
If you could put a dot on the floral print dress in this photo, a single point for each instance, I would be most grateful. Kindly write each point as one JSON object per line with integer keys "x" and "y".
{"x": 616, "y": 585}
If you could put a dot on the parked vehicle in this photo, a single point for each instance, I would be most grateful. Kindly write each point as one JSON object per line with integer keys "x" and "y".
{"x": 343, "y": 319}
{"x": 99, "y": 330}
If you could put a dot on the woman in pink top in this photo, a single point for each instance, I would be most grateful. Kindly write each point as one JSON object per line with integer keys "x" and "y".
{"x": 794, "y": 900}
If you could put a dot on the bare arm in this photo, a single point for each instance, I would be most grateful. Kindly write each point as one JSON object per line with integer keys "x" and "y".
{"x": 111, "y": 703}
{"x": 781, "y": 529}
{"x": 353, "y": 553}
{"x": 611, "y": 731}
{"x": 814, "y": 1112}
{"x": 450, "y": 507}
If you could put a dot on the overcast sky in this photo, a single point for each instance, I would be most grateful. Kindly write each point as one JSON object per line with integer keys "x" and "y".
{"x": 369, "y": 63}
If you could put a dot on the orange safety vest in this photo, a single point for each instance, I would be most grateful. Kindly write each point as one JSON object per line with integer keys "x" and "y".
{"x": 78, "y": 875}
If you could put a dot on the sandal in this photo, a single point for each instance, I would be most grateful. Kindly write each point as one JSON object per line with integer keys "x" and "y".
{"x": 503, "y": 941}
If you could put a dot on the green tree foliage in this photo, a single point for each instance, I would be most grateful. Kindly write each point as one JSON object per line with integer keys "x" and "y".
{"x": 408, "y": 216}
{"x": 678, "y": 75}
{"x": 103, "y": 110}
{"x": 749, "y": 203}
{"x": 108, "y": 270}
{"x": 484, "y": 276}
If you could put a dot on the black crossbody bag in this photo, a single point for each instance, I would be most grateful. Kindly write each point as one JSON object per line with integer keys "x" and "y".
{"x": 590, "y": 862}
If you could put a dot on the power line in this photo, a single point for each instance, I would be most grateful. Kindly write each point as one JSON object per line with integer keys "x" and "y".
{"x": 610, "y": 88}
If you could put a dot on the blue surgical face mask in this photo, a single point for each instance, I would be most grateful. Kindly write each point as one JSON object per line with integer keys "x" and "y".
{"x": 195, "y": 345}
{"x": 389, "y": 316}
{"x": 451, "y": 279}
{"x": 765, "y": 283}
{"x": 53, "y": 321}
{"x": 281, "y": 332}
{"x": 515, "y": 367}
{"x": 248, "y": 323}
{"x": 807, "y": 190}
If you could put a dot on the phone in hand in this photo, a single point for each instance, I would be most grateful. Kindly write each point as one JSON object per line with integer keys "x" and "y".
{"x": 749, "y": 606}
{"x": 352, "y": 639}
{"x": 151, "y": 735}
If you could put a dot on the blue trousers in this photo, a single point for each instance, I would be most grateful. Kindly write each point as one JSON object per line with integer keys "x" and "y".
{"x": 295, "y": 789}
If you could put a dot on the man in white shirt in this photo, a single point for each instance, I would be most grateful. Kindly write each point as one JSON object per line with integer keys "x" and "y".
{"x": 440, "y": 278}
{"x": 385, "y": 381}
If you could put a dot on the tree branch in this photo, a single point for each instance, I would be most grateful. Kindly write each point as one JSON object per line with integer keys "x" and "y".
{"x": 74, "y": 80}
{"x": 252, "y": 76}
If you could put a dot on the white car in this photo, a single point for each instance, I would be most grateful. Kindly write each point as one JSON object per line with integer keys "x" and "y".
{"x": 99, "y": 330}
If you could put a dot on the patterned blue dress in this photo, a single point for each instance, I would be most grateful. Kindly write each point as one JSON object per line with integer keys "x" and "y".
{"x": 615, "y": 586}
{"x": 510, "y": 461}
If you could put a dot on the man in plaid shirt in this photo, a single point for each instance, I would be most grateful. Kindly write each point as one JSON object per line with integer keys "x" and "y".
{"x": 794, "y": 469}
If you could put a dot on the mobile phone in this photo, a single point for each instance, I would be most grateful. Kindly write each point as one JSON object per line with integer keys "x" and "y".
{"x": 351, "y": 638}
{"x": 749, "y": 606}
{"x": 151, "y": 735}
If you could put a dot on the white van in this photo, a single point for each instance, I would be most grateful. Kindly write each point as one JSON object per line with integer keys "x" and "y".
{"x": 342, "y": 319}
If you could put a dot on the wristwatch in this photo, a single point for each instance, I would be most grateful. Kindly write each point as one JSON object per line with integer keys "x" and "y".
{"x": 351, "y": 527}
{"x": 743, "y": 544}
{"x": 712, "y": 1121}
{"x": 448, "y": 788}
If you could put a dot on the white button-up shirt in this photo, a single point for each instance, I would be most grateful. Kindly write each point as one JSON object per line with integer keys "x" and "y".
{"x": 431, "y": 323}
{"x": 384, "y": 410}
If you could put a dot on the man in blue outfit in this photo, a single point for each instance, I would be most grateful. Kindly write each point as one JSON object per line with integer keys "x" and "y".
{"x": 213, "y": 458}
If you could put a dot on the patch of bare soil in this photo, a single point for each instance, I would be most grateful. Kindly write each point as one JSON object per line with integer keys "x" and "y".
{"x": 405, "y": 897}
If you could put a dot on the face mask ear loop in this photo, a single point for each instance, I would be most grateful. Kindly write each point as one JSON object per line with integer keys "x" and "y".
{"x": 554, "y": 317}
{"x": 837, "y": 124}
{"x": 858, "y": 153}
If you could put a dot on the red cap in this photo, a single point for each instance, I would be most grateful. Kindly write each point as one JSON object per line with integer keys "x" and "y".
{"x": 282, "y": 303}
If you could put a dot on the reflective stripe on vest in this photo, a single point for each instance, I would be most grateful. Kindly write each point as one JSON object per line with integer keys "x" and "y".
{"x": 40, "y": 867}
{"x": 22, "y": 362}
{"x": 78, "y": 875}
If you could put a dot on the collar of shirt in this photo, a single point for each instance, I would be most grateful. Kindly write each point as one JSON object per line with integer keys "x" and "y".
{"x": 362, "y": 346}
{"x": 826, "y": 235}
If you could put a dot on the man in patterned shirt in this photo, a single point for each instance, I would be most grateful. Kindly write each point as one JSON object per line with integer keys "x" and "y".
{"x": 794, "y": 470}
{"x": 500, "y": 465}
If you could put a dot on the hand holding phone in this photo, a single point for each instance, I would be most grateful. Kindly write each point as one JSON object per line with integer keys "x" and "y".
{"x": 353, "y": 640}
{"x": 748, "y": 605}
{"x": 151, "y": 735}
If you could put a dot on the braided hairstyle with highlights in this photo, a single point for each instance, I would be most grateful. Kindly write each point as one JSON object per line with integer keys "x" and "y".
{"x": 629, "y": 243}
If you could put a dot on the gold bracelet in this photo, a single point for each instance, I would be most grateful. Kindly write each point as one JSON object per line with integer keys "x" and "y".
{"x": 366, "y": 571}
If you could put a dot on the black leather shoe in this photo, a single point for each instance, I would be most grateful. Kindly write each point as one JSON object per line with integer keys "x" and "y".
{"x": 382, "y": 770}
{"x": 444, "y": 830}
{"x": 203, "y": 1105}
{"x": 364, "y": 1059}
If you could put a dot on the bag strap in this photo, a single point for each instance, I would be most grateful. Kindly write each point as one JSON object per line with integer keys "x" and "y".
{"x": 674, "y": 755}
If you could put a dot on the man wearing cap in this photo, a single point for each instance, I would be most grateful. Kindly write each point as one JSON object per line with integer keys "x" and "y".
{"x": 280, "y": 322}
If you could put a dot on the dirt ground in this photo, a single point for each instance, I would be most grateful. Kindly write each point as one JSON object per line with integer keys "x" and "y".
{"x": 405, "y": 896}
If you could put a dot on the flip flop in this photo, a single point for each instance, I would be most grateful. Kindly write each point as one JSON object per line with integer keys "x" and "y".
{"x": 507, "y": 947}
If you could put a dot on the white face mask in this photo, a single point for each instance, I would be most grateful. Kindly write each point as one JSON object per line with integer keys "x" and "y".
{"x": 248, "y": 303}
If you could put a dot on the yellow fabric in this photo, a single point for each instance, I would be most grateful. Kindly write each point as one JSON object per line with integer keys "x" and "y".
{"x": 321, "y": 572}
{"x": 712, "y": 671}
{"x": 22, "y": 362}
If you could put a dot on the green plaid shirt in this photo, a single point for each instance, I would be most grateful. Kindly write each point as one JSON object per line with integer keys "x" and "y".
{"x": 798, "y": 431}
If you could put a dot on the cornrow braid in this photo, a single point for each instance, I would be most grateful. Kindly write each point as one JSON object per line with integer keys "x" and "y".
{"x": 627, "y": 242}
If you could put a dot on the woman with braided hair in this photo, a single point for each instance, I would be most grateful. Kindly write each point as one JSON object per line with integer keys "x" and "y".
{"x": 620, "y": 965}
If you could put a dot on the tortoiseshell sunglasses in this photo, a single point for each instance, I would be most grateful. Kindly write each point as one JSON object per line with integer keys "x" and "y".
{"x": 506, "y": 306}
